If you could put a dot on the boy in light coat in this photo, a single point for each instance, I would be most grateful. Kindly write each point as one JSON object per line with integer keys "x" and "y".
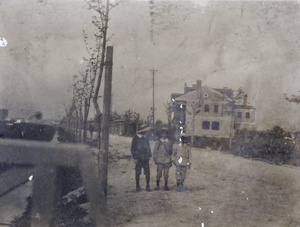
{"x": 162, "y": 156}
{"x": 182, "y": 160}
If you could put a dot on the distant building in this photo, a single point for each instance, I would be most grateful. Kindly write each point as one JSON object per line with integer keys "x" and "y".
{"x": 244, "y": 116}
{"x": 3, "y": 114}
{"x": 123, "y": 128}
{"x": 118, "y": 127}
{"x": 202, "y": 111}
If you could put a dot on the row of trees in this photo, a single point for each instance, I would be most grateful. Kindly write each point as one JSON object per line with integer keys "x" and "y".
{"x": 86, "y": 92}
{"x": 86, "y": 86}
{"x": 77, "y": 122}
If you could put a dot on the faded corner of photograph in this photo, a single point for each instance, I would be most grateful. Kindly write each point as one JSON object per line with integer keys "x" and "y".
{"x": 149, "y": 113}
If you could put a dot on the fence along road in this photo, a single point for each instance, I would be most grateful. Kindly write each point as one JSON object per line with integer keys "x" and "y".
{"x": 46, "y": 157}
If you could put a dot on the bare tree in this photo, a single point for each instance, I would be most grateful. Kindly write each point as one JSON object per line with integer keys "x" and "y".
{"x": 169, "y": 111}
{"x": 97, "y": 53}
{"x": 70, "y": 113}
{"x": 87, "y": 81}
{"x": 137, "y": 119}
{"x": 129, "y": 117}
{"x": 78, "y": 90}
{"x": 196, "y": 108}
{"x": 233, "y": 100}
{"x": 95, "y": 69}
{"x": 115, "y": 116}
{"x": 150, "y": 117}
{"x": 73, "y": 110}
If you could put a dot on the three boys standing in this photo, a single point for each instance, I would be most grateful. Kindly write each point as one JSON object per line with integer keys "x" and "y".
{"x": 163, "y": 155}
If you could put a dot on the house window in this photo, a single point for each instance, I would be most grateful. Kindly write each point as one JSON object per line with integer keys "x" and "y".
{"x": 216, "y": 108}
{"x": 215, "y": 125}
{"x": 206, "y": 108}
{"x": 206, "y": 125}
{"x": 247, "y": 115}
{"x": 239, "y": 114}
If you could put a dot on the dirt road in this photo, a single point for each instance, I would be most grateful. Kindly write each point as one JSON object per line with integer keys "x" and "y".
{"x": 221, "y": 190}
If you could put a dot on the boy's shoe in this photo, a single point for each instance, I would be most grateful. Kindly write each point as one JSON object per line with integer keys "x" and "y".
{"x": 157, "y": 185}
{"x": 148, "y": 188}
{"x": 166, "y": 186}
{"x": 180, "y": 188}
{"x": 138, "y": 188}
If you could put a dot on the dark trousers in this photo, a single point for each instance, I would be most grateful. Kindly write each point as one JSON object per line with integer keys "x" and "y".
{"x": 138, "y": 169}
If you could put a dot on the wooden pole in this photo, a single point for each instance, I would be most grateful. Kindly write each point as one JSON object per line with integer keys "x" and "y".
{"x": 153, "y": 72}
{"x": 106, "y": 118}
{"x": 153, "y": 98}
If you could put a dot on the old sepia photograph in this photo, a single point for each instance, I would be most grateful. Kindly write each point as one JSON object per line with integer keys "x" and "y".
{"x": 149, "y": 113}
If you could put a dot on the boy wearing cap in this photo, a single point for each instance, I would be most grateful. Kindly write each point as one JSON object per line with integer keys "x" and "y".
{"x": 141, "y": 153}
{"x": 162, "y": 156}
{"x": 182, "y": 160}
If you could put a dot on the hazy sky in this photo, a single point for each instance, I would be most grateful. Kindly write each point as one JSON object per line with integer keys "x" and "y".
{"x": 254, "y": 45}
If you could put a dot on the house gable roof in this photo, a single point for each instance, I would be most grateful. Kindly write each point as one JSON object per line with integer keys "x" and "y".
{"x": 207, "y": 93}
{"x": 191, "y": 96}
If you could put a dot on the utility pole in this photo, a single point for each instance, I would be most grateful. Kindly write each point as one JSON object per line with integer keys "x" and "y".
{"x": 153, "y": 74}
{"x": 103, "y": 155}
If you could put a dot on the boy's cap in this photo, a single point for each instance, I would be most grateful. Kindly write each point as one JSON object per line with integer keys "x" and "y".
{"x": 143, "y": 128}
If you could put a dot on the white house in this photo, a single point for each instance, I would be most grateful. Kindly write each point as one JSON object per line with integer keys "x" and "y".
{"x": 203, "y": 111}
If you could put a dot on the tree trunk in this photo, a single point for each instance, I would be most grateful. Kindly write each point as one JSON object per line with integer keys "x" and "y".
{"x": 68, "y": 123}
{"x": 76, "y": 127}
{"x": 231, "y": 132}
{"x": 85, "y": 117}
{"x": 193, "y": 130}
{"x": 102, "y": 59}
{"x": 98, "y": 119}
{"x": 137, "y": 125}
{"x": 80, "y": 122}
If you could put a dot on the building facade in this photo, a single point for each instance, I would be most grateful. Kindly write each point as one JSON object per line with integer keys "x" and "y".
{"x": 204, "y": 111}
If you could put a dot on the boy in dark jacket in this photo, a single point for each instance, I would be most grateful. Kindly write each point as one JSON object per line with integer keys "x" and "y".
{"x": 141, "y": 153}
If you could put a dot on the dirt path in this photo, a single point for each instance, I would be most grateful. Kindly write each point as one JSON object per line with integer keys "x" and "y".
{"x": 221, "y": 190}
